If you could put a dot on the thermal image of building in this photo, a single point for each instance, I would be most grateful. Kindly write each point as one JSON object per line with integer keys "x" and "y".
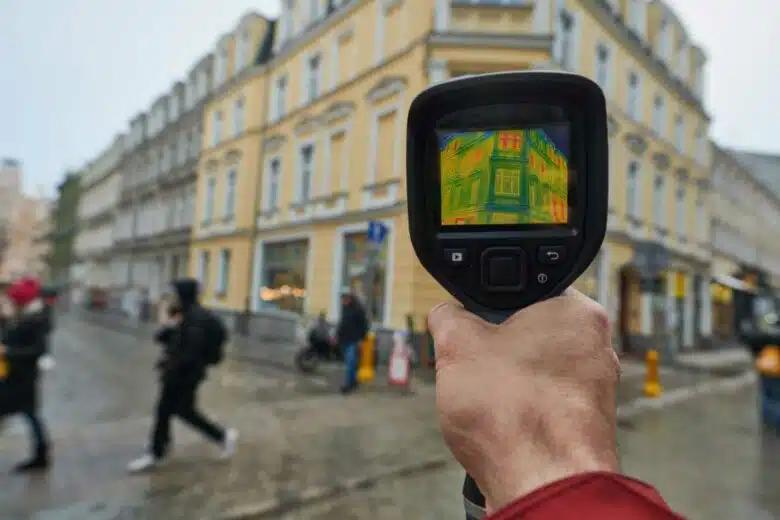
{"x": 503, "y": 177}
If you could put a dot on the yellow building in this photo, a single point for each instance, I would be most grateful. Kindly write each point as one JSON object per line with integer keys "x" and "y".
{"x": 321, "y": 147}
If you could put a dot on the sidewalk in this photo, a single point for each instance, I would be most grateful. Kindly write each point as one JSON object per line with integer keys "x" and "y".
{"x": 723, "y": 362}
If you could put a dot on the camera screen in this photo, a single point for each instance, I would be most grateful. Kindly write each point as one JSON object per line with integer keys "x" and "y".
{"x": 505, "y": 177}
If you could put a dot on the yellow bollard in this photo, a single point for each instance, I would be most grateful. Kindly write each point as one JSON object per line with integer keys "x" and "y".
{"x": 652, "y": 380}
{"x": 367, "y": 351}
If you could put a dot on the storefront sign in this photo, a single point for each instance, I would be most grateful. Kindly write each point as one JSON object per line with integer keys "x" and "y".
{"x": 678, "y": 279}
{"x": 650, "y": 258}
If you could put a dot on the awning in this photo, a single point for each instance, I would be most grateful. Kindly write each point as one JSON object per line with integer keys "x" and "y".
{"x": 734, "y": 283}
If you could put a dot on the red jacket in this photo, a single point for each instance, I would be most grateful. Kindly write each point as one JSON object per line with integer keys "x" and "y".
{"x": 590, "y": 496}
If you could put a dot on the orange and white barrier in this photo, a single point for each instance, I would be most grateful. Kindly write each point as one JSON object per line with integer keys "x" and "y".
{"x": 399, "y": 367}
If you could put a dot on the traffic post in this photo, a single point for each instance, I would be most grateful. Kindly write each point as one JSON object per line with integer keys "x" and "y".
{"x": 377, "y": 232}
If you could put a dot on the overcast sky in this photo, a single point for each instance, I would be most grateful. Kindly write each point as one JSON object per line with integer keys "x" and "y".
{"x": 73, "y": 72}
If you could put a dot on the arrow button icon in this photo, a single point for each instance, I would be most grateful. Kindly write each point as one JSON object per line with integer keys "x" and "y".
{"x": 552, "y": 255}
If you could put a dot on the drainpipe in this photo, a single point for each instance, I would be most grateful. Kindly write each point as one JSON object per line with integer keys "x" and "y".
{"x": 244, "y": 327}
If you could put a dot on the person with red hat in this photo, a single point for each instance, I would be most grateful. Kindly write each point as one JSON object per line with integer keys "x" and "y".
{"x": 23, "y": 344}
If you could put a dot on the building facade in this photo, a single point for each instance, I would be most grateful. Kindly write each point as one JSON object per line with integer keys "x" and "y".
{"x": 155, "y": 207}
{"x": 322, "y": 152}
{"x": 65, "y": 226}
{"x": 10, "y": 190}
{"x": 26, "y": 255}
{"x": 743, "y": 250}
{"x": 97, "y": 208}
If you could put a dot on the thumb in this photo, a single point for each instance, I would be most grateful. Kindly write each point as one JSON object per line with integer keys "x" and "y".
{"x": 449, "y": 324}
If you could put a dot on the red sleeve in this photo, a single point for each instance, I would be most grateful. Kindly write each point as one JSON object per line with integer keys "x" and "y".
{"x": 590, "y": 496}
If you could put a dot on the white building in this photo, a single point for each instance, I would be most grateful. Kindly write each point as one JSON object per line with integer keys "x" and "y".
{"x": 156, "y": 205}
{"x": 746, "y": 210}
{"x": 100, "y": 183}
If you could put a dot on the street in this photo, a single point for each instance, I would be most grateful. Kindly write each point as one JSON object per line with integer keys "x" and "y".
{"x": 307, "y": 453}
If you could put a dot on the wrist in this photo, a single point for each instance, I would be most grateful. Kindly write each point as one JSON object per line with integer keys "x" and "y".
{"x": 513, "y": 480}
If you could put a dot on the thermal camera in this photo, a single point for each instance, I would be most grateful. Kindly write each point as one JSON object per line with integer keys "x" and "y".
{"x": 507, "y": 189}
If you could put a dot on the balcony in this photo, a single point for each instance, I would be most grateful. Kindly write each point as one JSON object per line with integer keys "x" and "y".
{"x": 491, "y": 16}
{"x": 479, "y": 36}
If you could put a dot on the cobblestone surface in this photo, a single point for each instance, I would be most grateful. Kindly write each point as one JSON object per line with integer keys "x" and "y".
{"x": 308, "y": 453}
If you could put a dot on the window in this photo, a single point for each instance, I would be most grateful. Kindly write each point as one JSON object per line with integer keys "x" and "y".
{"x": 184, "y": 144}
{"x": 701, "y": 219}
{"x": 665, "y": 39}
{"x": 637, "y": 16}
{"x": 242, "y": 50}
{"x": 238, "y": 117}
{"x": 208, "y": 207}
{"x": 173, "y": 107}
{"x": 312, "y": 88}
{"x": 633, "y": 96}
{"x": 679, "y": 133}
{"x": 223, "y": 276}
{"x": 603, "y": 62}
{"x": 221, "y": 66}
{"x": 353, "y": 273}
{"x": 701, "y": 146}
{"x": 659, "y": 201}
{"x": 203, "y": 270}
{"x": 288, "y": 22}
{"x": 314, "y": 10}
{"x": 658, "y": 115}
{"x": 272, "y": 186}
{"x": 203, "y": 84}
{"x": 682, "y": 62}
{"x": 279, "y": 98}
{"x": 507, "y": 182}
{"x": 632, "y": 190}
{"x": 283, "y": 280}
{"x": 306, "y": 173}
{"x": 566, "y": 39}
{"x": 680, "y": 209}
{"x": 216, "y": 128}
{"x": 230, "y": 195}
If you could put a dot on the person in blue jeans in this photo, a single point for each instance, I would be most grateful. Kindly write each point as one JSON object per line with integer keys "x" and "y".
{"x": 351, "y": 330}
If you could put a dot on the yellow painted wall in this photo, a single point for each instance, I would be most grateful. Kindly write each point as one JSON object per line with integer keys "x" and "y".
{"x": 238, "y": 288}
{"x": 355, "y": 58}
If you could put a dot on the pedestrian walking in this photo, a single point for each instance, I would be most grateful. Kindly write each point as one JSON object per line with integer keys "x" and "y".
{"x": 351, "y": 330}
{"x": 192, "y": 341}
{"x": 24, "y": 335}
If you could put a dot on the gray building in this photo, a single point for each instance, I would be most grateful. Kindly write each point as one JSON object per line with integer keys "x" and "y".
{"x": 157, "y": 193}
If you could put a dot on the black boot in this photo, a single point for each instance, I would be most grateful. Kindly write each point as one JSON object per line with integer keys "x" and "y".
{"x": 39, "y": 462}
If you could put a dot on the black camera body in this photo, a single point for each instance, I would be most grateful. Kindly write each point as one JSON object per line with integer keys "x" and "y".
{"x": 507, "y": 185}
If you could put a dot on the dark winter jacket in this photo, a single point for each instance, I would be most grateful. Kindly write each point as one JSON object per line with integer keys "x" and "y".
{"x": 353, "y": 325}
{"x": 24, "y": 338}
{"x": 185, "y": 344}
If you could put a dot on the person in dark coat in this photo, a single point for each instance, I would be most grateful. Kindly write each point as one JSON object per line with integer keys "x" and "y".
{"x": 183, "y": 369}
{"x": 351, "y": 330}
{"x": 24, "y": 342}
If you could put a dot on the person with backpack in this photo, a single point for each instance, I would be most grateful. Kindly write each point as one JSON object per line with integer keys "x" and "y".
{"x": 192, "y": 341}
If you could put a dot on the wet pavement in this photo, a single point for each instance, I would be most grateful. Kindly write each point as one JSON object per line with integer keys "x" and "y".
{"x": 306, "y": 453}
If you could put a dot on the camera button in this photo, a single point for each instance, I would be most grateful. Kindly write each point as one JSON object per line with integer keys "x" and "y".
{"x": 552, "y": 255}
{"x": 504, "y": 269}
{"x": 456, "y": 257}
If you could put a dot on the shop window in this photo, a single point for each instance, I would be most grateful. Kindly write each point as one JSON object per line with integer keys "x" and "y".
{"x": 284, "y": 271}
{"x": 353, "y": 277}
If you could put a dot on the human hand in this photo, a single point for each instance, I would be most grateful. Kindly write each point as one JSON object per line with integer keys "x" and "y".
{"x": 531, "y": 401}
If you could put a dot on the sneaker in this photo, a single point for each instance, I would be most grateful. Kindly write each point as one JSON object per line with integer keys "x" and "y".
{"x": 144, "y": 463}
{"x": 40, "y": 463}
{"x": 230, "y": 443}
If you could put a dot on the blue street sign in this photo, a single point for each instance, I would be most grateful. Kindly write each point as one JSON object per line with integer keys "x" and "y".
{"x": 377, "y": 231}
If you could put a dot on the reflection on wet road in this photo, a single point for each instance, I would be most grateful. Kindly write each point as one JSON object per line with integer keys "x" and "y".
{"x": 307, "y": 453}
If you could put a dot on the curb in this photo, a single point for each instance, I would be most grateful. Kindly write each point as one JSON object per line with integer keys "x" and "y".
{"x": 274, "y": 508}
{"x": 679, "y": 395}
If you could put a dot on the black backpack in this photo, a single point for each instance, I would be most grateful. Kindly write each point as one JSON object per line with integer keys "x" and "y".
{"x": 217, "y": 336}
